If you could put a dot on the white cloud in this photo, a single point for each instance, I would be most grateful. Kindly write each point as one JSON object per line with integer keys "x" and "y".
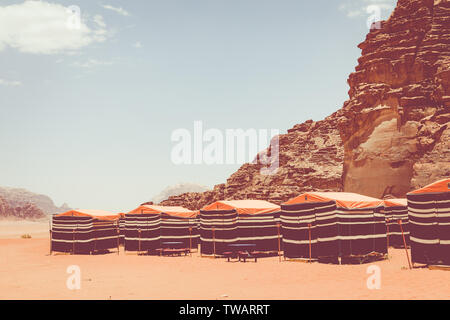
{"x": 91, "y": 63}
{"x": 40, "y": 27}
{"x": 9, "y": 83}
{"x": 359, "y": 8}
{"x": 98, "y": 19}
{"x": 120, "y": 10}
{"x": 137, "y": 45}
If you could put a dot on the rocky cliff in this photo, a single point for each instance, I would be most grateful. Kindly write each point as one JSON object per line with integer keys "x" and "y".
{"x": 391, "y": 136}
{"x": 24, "y": 211}
{"x": 395, "y": 126}
{"x": 21, "y": 198}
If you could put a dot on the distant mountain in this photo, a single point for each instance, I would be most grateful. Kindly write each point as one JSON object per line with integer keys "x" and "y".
{"x": 21, "y": 198}
{"x": 24, "y": 211}
{"x": 178, "y": 189}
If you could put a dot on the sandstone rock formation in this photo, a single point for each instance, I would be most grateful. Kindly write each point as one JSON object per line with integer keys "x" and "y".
{"x": 25, "y": 211}
{"x": 17, "y": 197}
{"x": 395, "y": 126}
{"x": 390, "y": 137}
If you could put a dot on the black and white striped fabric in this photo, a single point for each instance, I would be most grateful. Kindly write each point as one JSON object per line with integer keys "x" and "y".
{"x": 106, "y": 234}
{"x": 72, "y": 234}
{"x": 260, "y": 230}
{"x": 394, "y": 214}
{"x": 218, "y": 229}
{"x": 305, "y": 225}
{"x": 142, "y": 231}
{"x": 122, "y": 229}
{"x": 362, "y": 231}
{"x": 332, "y": 231}
{"x": 429, "y": 225}
{"x": 179, "y": 229}
{"x": 80, "y": 234}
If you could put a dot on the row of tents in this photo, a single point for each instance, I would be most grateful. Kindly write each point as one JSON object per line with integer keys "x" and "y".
{"x": 315, "y": 225}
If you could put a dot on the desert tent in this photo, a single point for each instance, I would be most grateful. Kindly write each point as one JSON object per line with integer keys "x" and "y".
{"x": 429, "y": 223}
{"x": 180, "y": 225}
{"x": 148, "y": 225}
{"x": 333, "y": 225}
{"x": 84, "y": 231}
{"x": 396, "y": 211}
{"x": 239, "y": 221}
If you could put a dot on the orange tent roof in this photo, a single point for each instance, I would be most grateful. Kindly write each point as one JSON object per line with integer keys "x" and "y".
{"x": 98, "y": 214}
{"x": 396, "y": 202}
{"x": 172, "y": 211}
{"x": 436, "y": 187}
{"x": 243, "y": 206}
{"x": 343, "y": 199}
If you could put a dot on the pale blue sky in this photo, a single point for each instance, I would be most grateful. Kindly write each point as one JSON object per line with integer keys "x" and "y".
{"x": 88, "y": 122}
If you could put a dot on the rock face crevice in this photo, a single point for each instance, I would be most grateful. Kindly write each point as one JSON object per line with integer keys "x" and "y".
{"x": 398, "y": 108}
{"x": 391, "y": 136}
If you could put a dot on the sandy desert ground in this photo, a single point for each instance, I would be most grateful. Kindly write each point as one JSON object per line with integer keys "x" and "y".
{"x": 27, "y": 271}
{"x": 13, "y": 229}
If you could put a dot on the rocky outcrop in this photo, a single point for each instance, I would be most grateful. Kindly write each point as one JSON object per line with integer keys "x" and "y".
{"x": 395, "y": 124}
{"x": 25, "y": 211}
{"x": 17, "y": 197}
{"x": 391, "y": 136}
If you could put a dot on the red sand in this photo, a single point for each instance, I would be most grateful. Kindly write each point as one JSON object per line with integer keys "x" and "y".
{"x": 29, "y": 272}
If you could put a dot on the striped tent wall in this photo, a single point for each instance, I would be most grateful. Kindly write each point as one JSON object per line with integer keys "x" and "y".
{"x": 218, "y": 229}
{"x": 362, "y": 231}
{"x": 197, "y": 220}
{"x": 306, "y": 223}
{"x": 106, "y": 234}
{"x": 72, "y": 234}
{"x": 180, "y": 229}
{"x": 393, "y": 216}
{"x": 333, "y": 231}
{"x": 142, "y": 232}
{"x": 259, "y": 229}
{"x": 122, "y": 230}
{"x": 429, "y": 226}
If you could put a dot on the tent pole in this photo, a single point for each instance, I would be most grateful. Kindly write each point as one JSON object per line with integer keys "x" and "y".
{"x": 214, "y": 242}
{"x": 387, "y": 233}
{"x": 190, "y": 241}
{"x": 73, "y": 241}
{"x": 139, "y": 247}
{"x": 404, "y": 243}
{"x": 279, "y": 244}
{"x": 118, "y": 239}
{"x": 309, "y": 231}
{"x": 50, "y": 228}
